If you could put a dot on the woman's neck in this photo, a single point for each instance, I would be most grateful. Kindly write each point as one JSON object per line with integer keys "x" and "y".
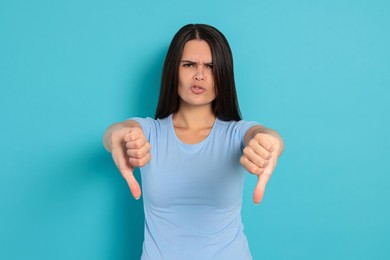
{"x": 194, "y": 117}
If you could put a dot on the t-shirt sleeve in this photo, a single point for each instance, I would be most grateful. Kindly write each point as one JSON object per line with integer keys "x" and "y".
{"x": 241, "y": 127}
{"x": 147, "y": 125}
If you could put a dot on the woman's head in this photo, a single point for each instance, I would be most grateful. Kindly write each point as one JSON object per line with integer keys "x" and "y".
{"x": 225, "y": 105}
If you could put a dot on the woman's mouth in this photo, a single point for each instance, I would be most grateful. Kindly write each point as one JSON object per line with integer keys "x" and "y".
{"x": 198, "y": 90}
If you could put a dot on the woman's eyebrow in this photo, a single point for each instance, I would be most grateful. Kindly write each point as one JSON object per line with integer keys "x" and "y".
{"x": 190, "y": 61}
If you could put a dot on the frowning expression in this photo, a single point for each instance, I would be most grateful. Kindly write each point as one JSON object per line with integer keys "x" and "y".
{"x": 196, "y": 79}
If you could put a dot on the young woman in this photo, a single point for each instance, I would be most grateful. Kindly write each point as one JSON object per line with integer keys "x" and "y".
{"x": 193, "y": 155}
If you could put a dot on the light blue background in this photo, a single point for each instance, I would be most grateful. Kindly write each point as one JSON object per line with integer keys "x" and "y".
{"x": 317, "y": 71}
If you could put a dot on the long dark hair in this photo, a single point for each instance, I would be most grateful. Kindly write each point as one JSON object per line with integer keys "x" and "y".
{"x": 225, "y": 105}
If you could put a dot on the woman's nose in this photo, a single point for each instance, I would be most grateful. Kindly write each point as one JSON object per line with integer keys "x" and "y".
{"x": 199, "y": 75}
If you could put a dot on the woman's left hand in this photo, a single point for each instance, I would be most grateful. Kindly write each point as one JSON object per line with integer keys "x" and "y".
{"x": 260, "y": 156}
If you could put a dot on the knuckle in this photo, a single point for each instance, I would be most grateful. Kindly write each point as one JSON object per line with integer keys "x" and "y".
{"x": 137, "y": 130}
{"x": 247, "y": 150}
{"x": 252, "y": 142}
{"x": 132, "y": 129}
{"x": 262, "y": 163}
{"x": 242, "y": 159}
{"x": 259, "y": 163}
{"x": 137, "y": 144}
{"x": 148, "y": 146}
{"x": 147, "y": 158}
{"x": 142, "y": 162}
{"x": 254, "y": 170}
{"x": 259, "y": 136}
{"x": 127, "y": 137}
{"x": 135, "y": 162}
{"x": 131, "y": 161}
{"x": 138, "y": 154}
{"x": 265, "y": 164}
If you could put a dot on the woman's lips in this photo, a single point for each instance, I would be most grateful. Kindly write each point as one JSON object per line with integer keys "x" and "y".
{"x": 198, "y": 90}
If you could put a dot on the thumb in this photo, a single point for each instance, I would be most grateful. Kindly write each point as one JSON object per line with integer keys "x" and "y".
{"x": 133, "y": 185}
{"x": 127, "y": 172}
{"x": 260, "y": 188}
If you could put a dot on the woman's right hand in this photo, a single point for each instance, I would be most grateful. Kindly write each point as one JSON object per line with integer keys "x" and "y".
{"x": 130, "y": 149}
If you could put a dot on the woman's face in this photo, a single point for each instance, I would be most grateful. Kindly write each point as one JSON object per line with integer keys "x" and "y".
{"x": 196, "y": 79}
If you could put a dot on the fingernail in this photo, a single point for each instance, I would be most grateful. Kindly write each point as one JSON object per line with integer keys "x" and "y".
{"x": 137, "y": 198}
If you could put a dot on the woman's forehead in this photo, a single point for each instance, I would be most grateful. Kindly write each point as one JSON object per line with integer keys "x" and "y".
{"x": 196, "y": 50}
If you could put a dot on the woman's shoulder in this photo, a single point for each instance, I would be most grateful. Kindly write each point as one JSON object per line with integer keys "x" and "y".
{"x": 233, "y": 127}
{"x": 152, "y": 122}
{"x": 151, "y": 119}
{"x": 234, "y": 123}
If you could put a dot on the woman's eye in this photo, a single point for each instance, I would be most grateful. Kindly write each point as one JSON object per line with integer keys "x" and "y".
{"x": 210, "y": 66}
{"x": 190, "y": 65}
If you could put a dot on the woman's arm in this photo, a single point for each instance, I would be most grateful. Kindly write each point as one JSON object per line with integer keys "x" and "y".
{"x": 262, "y": 148}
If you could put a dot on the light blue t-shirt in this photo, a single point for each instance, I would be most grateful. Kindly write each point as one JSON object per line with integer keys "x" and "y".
{"x": 192, "y": 193}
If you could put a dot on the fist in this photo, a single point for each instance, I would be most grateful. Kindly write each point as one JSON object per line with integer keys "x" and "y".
{"x": 259, "y": 158}
{"x": 130, "y": 149}
{"x": 137, "y": 147}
